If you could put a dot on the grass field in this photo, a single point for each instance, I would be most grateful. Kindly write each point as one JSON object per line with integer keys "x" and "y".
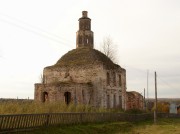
{"x": 25, "y": 107}
{"x": 163, "y": 126}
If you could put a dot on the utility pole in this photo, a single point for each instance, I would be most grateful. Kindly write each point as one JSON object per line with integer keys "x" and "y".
{"x": 155, "y": 111}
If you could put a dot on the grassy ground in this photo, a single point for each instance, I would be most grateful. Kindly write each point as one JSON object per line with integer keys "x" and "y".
{"x": 16, "y": 107}
{"x": 163, "y": 126}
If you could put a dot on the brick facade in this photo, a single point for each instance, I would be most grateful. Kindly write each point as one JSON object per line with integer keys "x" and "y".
{"x": 84, "y": 75}
{"x": 134, "y": 100}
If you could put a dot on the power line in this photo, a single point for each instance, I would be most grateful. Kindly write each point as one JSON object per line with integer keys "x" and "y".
{"x": 37, "y": 31}
{"x": 35, "y": 27}
{"x": 23, "y": 22}
{"x": 166, "y": 83}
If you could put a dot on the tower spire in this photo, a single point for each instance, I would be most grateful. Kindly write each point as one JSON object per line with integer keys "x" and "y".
{"x": 84, "y": 36}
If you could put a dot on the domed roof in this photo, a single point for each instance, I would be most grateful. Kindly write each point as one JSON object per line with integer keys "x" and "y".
{"x": 84, "y": 57}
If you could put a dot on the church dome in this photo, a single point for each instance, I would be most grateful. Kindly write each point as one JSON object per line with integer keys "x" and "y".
{"x": 84, "y": 57}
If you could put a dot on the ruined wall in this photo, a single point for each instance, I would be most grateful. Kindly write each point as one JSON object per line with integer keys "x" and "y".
{"x": 79, "y": 93}
{"x": 84, "y": 39}
{"x": 124, "y": 89}
{"x": 91, "y": 75}
{"x": 81, "y": 67}
{"x": 134, "y": 100}
{"x": 103, "y": 93}
{"x": 113, "y": 88}
{"x": 76, "y": 74}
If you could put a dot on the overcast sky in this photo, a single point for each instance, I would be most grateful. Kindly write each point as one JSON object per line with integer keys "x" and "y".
{"x": 36, "y": 33}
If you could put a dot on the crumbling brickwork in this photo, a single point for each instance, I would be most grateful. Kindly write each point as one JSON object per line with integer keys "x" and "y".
{"x": 134, "y": 100}
{"x": 84, "y": 76}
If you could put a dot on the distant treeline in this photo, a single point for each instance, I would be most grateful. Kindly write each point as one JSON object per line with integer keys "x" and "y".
{"x": 15, "y": 100}
{"x": 170, "y": 100}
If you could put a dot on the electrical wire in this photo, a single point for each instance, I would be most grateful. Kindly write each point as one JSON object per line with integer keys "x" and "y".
{"x": 36, "y": 30}
{"x": 166, "y": 83}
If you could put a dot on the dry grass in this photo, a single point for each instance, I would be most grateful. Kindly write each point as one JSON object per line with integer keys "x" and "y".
{"x": 163, "y": 126}
{"x": 16, "y": 107}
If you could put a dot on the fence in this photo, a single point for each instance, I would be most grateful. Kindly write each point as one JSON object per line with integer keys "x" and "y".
{"x": 18, "y": 122}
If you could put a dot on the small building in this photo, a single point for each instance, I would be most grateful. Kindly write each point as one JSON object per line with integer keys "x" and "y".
{"x": 178, "y": 109}
{"x": 83, "y": 75}
{"x": 134, "y": 100}
{"x": 173, "y": 108}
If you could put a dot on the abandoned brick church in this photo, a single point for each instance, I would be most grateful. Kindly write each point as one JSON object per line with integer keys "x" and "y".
{"x": 84, "y": 75}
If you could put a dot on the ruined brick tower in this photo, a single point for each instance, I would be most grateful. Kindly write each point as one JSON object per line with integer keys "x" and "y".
{"x": 84, "y": 36}
{"x": 83, "y": 75}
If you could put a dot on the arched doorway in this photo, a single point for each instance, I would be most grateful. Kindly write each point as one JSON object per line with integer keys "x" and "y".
{"x": 67, "y": 97}
{"x": 45, "y": 96}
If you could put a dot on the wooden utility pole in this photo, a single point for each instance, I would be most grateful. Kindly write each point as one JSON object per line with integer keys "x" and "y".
{"x": 155, "y": 111}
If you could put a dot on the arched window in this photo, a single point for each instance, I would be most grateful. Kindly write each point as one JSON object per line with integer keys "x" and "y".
{"x": 120, "y": 101}
{"x": 108, "y": 78}
{"x": 80, "y": 40}
{"x": 114, "y": 101}
{"x": 87, "y": 41}
{"x": 45, "y": 97}
{"x": 108, "y": 101}
{"x": 83, "y": 98}
{"x": 67, "y": 97}
{"x": 120, "y": 83}
{"x": 114, "y": 78}
{"x": 90, "y": 40}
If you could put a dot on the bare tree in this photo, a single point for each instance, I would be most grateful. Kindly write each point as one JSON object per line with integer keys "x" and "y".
{"x": 42, "y": 80}
{"x": 109, "y": 48}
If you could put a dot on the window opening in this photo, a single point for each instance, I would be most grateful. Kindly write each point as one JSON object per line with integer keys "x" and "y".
{"x": 120, "y": 101}
{"x": 114, "y": 101}
{"x": 108, "y": 101}
{"x": 83, "y": 96}
{"x": 67, "y": 96}
{"x": 120, "y": 83}
{"x": 80, "y": 40}
{"x": 108, "y": 79}
{"x": 45, "y": 97}
{"x": 114, "y": 78}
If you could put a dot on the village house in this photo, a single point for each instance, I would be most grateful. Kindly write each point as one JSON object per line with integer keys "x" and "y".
{"x": 84, "y": 75}
{"x": 174, "y": 108}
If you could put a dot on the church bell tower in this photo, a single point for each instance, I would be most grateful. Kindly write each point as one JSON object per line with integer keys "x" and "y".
{"x": 84, "y": 36}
